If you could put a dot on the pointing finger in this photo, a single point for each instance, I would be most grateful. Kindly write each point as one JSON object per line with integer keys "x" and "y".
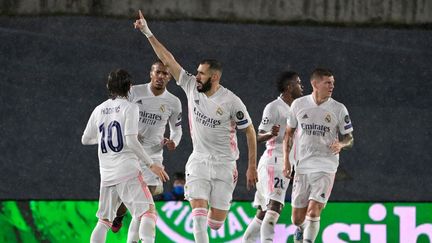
{"x": 140, "y": 14}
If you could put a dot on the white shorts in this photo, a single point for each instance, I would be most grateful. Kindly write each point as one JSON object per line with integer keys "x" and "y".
{"x": 272, "y": 184}
{"x": 134, "y": 193}
{"x": 314, "y": 186}
{"x": 211, "y": 179}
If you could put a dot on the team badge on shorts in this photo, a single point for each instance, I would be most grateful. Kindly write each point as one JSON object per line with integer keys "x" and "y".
{"x": 162, "y": 108}
{"x": 328, "y": 118}
{"x": 239, "y": 115}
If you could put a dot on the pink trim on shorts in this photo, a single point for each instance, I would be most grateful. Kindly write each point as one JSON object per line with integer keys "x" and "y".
{"x": 150, "y": 215}
{"x": 108, "y": 224}
{"x": 271, "y": 146}
{"x": 270, "y": 183}
{"x": 144, "y": 187}
{"x": 199, "y": 212}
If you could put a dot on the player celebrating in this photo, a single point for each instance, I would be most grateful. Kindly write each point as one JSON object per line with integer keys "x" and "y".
{"x": 214, "y": 114}
{"x": 113, "y": 125}
{"x": 157, "y": 107}
{"x": 318, "y": 120}
{"x": 272, "y": 184}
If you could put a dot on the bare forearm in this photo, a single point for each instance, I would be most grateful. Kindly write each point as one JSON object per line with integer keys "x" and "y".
{"x": 252, "y": 146}
{"x": 287, "y": 142}
{"x": 347, "y": 141}
{"x": 263, "y": 137}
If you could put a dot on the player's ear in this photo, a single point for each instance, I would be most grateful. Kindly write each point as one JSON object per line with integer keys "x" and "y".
{"x": 215, "y": 76}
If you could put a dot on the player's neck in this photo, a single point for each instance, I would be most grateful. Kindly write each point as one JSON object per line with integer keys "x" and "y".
{"x": 319, "y": 99}
{"x": 212, "y": 90}
{"x": 157, "y": 92}
{"x": 287, "y": 98}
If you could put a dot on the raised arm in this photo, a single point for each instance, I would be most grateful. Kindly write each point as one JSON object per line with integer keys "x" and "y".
{"x": 251, "y": 173}
{"x": 164, "y": 55}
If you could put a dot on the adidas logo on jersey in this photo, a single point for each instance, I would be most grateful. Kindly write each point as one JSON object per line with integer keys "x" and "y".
{"x": 197, "y": 102}
{"x": 305, "y": 116}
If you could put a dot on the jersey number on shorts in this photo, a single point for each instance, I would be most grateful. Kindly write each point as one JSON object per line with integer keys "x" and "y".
{"x": 119, "y": 146}
{"x": 278, "y": 182}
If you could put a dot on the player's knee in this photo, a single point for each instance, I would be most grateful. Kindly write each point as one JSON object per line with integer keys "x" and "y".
{"x": 297, "y": 220}
{"x": 275, "y": 206}
{"x": 260, "y": 214}
{"x": 214, "y": 224}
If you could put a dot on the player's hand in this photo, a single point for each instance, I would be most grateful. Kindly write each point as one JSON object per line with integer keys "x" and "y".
{"x": 287, "y": 171}
{"x": 336, "y": 147}
{"x": 169, "y": 143}
{"x": 160, "y": 172}
{"x": 252, "y": 177}
{"x": 141, "y": 24}
{"x": 275, "y": 130}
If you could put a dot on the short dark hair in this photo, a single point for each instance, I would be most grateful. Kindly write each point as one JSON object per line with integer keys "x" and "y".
{"x": 321, "y": 72}
{"x": 284, "y": 79}
{"x": 119, "y": 82}
{"x": 157, "y": 61}
{"x": 179, "y": 176}
{"x": 214, "y": 64}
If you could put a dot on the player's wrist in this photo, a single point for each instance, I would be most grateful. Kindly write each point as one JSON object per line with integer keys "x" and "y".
{"x": 146, "y": 31}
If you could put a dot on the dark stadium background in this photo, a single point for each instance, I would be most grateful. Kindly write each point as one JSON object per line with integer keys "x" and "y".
{"x": 53, "y": 72}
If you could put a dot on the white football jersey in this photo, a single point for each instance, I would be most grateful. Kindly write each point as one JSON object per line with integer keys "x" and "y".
{"x": 213, "y": 120}
{"x": 109, "y": 123}
{"x": 275, "y": 113}
{"x": 154, "y": 113}
{"x": 317, "y": 127}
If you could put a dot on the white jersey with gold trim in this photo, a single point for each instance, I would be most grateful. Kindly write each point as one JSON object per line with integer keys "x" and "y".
{"x": 317, "y": 127}
{"x": 109, "y": 123}
{"x": 213, "y": 120}
{"x": 154, "y": 113}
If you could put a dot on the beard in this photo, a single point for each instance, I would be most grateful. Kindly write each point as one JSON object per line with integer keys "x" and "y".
{"x": 205, "y": 87}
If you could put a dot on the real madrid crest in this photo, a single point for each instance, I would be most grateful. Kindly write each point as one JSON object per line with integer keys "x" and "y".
{"x": 162, "y": 108}
{"x": 219, "y": 111}
{"x": 328, "y": 118}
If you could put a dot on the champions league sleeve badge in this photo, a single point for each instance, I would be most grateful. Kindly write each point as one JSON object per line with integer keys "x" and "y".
{"x": 240, "y": 115}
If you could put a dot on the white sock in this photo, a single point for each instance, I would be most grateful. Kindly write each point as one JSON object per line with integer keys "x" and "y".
{"x": 133, "y": 232}
{"x": 267, "y": 228}
{"x": 311, "y": 231}
{"x": 99, "y": 232}
{"x": 147, "y": 227}
{"x": 199, "y": 217}
{"x": 253, "y": 231}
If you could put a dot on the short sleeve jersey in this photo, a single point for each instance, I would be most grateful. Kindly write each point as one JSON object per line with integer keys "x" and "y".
{"x": 154, "y": 113}
{"x": 275, "y": 113}
{"x": 213, "y": 120}
{"x": 110, "y": 122}
{"x": 317, "y": 127}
